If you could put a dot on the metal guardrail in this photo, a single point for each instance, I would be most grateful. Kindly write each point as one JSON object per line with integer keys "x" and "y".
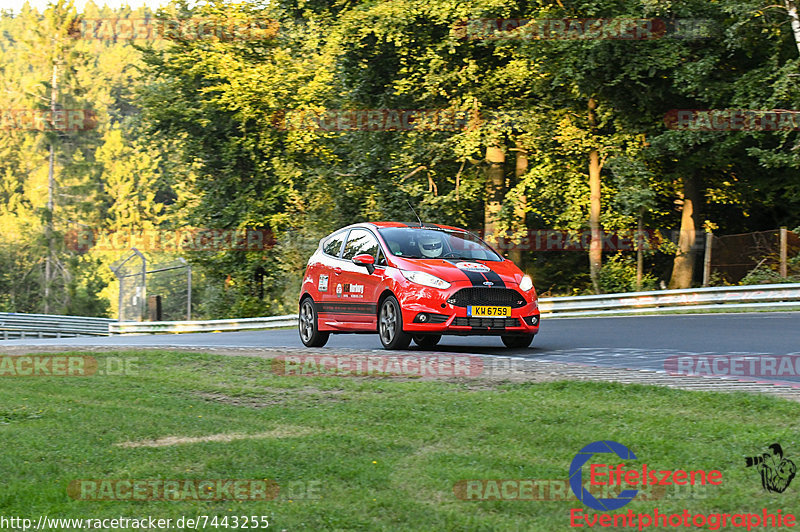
{"x": 756, "y": 297}
{"x": 13, "y": 325}
{"x": 243, "y": 324}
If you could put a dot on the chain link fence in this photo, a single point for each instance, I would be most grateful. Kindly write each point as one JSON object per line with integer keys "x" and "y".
{"x": 155, "y": 293}
{"x": 131, "y": 270}
{"x": 729, "y": 259}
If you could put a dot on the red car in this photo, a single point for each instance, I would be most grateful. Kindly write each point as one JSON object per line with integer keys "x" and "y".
{"x": 414, "y": 281}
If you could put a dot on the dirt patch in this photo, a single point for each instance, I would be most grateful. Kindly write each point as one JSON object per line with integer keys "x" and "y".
{"x": 272, "y": 397}
{"x": 248, "y": 401}
{"x": 282, "y": 432}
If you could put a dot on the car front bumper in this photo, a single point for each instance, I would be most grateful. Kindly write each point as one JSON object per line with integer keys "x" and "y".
{"x": 427, "y": 311}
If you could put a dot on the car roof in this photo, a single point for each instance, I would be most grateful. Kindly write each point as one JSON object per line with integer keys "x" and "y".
{"x": 414, "y": 225}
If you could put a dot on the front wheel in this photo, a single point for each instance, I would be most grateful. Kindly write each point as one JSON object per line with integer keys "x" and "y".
{"x": 518, "y": 342}
{"x": 310, "y": 334}
{"x": 390, "y": 325}
{"x": 427, "y": 341}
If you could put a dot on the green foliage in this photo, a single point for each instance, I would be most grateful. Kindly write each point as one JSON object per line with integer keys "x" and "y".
{"x": 769, "y": 274}
{"x": 619, "y": 275}
{"x": 188, "y": 134}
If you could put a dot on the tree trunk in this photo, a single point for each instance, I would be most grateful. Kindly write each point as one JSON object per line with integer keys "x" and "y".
{"x": 519, "y": 227}
{"x": 791, "y": 7}
{"x": 596, "y": 244}
{"x": 48, "y": 264}
{"x": 683, "y": 264}
{"x": 495, "y": 185}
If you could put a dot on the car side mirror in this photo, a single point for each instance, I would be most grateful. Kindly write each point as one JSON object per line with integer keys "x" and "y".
{"x": 368, "y": 261}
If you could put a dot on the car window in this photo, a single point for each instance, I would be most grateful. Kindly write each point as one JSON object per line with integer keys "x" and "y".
{"x": 360, "y": 241}
{"x": 381, "y": 260}
{"x": 426, "y": 243}
{"x": 334, "y": 244}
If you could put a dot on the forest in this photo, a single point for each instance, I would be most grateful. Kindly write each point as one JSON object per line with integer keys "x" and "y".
{"x": 594, "y": 142}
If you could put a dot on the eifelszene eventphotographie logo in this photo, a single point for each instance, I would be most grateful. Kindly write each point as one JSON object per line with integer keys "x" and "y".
{"x": 622, "y": 476}
{"x": 776, "y": 471}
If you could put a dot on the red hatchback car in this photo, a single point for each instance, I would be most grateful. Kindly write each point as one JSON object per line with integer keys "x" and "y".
{"x": 414, "y": 281}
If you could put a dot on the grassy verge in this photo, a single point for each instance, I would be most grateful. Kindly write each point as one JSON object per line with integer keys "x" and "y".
{"x": 372, "y": 453}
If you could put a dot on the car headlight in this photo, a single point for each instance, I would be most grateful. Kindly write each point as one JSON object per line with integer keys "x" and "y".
{"x": 526, "y": 283}
{"x": 425, "y": 279}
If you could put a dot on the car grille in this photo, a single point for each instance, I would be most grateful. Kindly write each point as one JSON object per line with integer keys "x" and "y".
{"x": 505, "y": 297}
{"x": 494, "y": 323}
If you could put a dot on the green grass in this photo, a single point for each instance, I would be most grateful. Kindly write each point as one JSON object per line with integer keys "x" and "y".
{"x": 385, "y": 452}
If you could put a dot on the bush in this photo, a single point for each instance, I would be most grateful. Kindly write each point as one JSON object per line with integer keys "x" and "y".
{"x": 768, "y": 273}
{"x": 618, "y": 274}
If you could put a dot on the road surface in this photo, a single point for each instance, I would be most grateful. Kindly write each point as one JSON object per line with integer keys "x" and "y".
{"x": 639, "y": 342}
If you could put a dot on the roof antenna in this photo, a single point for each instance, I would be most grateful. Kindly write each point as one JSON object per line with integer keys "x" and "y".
{"x": 415, "y": 213}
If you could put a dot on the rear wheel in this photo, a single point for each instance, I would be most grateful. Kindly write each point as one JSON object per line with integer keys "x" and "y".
{"x": 310, "y": 334}
{"x": 390, "y": 325}
{"x": 518, "y": 341}
{"x": 427, "y": 341}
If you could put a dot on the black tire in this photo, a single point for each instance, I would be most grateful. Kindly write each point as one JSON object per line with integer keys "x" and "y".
{"x": 427, "y": 341}
{"x": 310, "y": 334}
{"x": 518, "y": 342}
{"x": 390, "y": 325}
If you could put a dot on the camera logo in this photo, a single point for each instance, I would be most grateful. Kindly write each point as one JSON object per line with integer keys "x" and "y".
{"x": 576, "y": 475}
{"x": 776, "y": 471}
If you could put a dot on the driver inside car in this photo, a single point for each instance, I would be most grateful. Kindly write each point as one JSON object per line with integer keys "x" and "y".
{"x": 430, "y": 246}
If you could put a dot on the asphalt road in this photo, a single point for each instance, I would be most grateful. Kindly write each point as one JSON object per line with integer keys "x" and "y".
{"x": 640, "y": 342}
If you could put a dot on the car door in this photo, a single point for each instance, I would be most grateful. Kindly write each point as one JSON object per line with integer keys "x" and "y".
{"x": 358, "y": 292}
{"x": 326, "y": 274}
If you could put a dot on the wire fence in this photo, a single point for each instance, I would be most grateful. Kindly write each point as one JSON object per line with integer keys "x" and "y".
{"x": 131, "y": 272}
{"x": 730, "y": 258}
{"x": 169, "y": 288}
{"x": 153, "y": 292}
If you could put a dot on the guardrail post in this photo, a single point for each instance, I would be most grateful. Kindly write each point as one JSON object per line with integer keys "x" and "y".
{"x": 188, "y": 292}
{"x": 783, "y": 240}
{"x": 154, "y": 308}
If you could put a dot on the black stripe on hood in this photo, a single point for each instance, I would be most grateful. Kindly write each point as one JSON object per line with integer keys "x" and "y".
{"x": 478, "y": 278}
{"x": 492, "y": 276}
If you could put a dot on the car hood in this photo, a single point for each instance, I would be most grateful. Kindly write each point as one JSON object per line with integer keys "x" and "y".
{"x": 475, "y": 272}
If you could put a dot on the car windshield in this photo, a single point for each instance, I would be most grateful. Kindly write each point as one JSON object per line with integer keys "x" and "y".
{"x": 425, "y": 243}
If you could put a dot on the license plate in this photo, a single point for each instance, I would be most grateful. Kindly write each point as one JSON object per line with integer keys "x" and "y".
{"x": 488, "y": 312}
